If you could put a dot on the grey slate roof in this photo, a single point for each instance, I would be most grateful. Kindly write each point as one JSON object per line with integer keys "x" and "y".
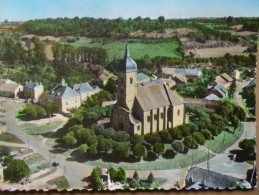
{"x": 31, "y": 85}
{"x": 212, "y": 97}
{"x": 83, "y": 87}
{"x": 150, "y": 82}
{"x": 141, "y": 76}
{"x": 126, "y": 64}
{"x": 209, "y": 178}
{"x": 252, "y": 83}
{"x": 217, "y": 87}
{"x": 186, "y": 71}
{"x": 62, "y": 91}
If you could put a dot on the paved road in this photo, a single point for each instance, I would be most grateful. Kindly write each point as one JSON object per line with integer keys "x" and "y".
{"x": 238, "y": 98}
{"x": 74, "y": 171}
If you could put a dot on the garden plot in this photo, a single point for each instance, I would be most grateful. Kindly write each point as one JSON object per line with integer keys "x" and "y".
{"x": 39, "y": 131}
{"x": 36, "y": 164}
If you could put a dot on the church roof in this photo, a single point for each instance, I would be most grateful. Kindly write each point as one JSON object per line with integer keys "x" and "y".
{"x": 62, "y": 91}
{"x": 141, "y": 76}
{"x": 83, "y": 87}
{"x": 126, "y": 64}
{"x": 156, "y": 96}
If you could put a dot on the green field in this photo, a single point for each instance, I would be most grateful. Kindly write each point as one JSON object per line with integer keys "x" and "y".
{"x": 224, "y": 139}
{"x": 252, "y": 39}
{"x": 61, "y": 182}
{"x": 215, "y": 26}
{"x": 138, "y": 47}
{"x": 39, "y": 131}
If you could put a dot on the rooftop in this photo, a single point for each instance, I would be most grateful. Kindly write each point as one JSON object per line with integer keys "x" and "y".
{"x": 150, "y": 82}
{"x": 155, "y": 96}
{"x": 83, "y": 87}
{"x": 141, "y": 76}
{"x": 31, "y": 85}
{"x": 62, "y": 91}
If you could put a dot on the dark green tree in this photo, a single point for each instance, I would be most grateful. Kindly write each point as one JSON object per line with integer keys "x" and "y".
{"x": 139, "y": 150}
{"x": 158, "y": 148}
{"x": 199, "y": 137}
{"x": 121, "y": 149}
{"x": 95, "y": 178}
{"x": 51, "y": 108}
{"x": 190, "y": 142}
{"x": 135, "y": 139}
{"x": 248, "y": 145}
{"x": 15, "y": 169}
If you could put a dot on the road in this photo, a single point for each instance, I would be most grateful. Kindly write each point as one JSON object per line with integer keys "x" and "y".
{"x": 238, "y": 98}
{"x": 74, "y": 171}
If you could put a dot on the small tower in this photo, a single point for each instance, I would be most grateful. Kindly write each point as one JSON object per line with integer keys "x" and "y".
{"x": 126, "y": 83}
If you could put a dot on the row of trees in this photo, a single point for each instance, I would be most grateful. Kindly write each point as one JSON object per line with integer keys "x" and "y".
{"x": 107, "y": 27}
{"x": 34, "y": 110}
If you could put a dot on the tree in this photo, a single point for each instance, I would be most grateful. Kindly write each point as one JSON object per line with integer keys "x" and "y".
{"x": 232, "y": 89}
{"x": 150, "y": 177}
{"x": 234, "y": 121}
{"x": 161, "y": 19}
{"x": 139, "y": 150}
{"x": 206, "y": 133}
{"x": 135, "y": 139}
{"x": 214, "y": 129}
{"x": 190, "y": 142}
{"x": 153, "y": 138}
{"x": 121, "y": 149}
{"x": 198, "y": 137}
{"x": 34, "y": 110}
{"x": 51, "y": 108}
{"x": 95, "y": 178}
{"x": 69, "y": 139}
{"x": 158, "y": 148}
{"x": 225, "y": 110}
{"x": 176, "y": 133}
{"x": 248, "y": 145}
{"x": 193, "y": 127}
{"x": 165, "y": 135}
{"x": 239, "y": 112}
{"x": 178, "y": 146}
{"x": 15, "y": 170}
{"x": 120, "y": 174}
{"x": 83, "y": 148}
{"x": 136, "y": 176}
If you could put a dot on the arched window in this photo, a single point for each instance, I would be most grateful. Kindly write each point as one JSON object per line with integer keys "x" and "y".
{"x": 178, "y": 112}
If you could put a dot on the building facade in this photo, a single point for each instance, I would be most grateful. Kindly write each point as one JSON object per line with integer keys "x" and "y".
{"x": 9, "y": 88}
{"x": 143, "y": 108}
{"x": 85, "y": 90}
{"x": 32, "y": 90}
{"x": 67, "y": 98}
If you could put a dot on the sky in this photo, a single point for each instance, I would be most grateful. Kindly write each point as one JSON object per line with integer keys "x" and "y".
{"x": 22, "y": 10}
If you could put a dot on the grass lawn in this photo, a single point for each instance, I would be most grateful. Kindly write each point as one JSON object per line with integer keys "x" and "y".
{"x": 39, "y": 131}
{"x": 60, "y": 182}
{"x": 18, "y": 114}
{"x": 137, "y": 47}
{"x": 36, "y": 163}
{"x": 193, "y": 156}
{"x": 251, "y": 38}
{"x": 8, "y": 137}
{"x": 216, "y": 145}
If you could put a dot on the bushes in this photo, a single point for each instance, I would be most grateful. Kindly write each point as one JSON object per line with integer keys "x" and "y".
{"x": 34, "y": 110}
{"x": 165, "y": 135}
{"x": 153, "y": 138}
{"x": 169, "y": 153}
{"x": 121, "y": 149}
{"x": 158, "y": 148}
{"x": 95, "y": 178}
{"x": 117, "y": 175}
{"x": 175, "y": 133}
{"x": 190, "y": 142}
{"x": 214, "y": 129}
{"x": 206, "y": 133}
{"x": 139, "y": 150}
{"x": 178, "y": 146}
{"x": 135, "y": 139}
{"x": 198, "y": 137}
{"x": 248, "y": 145}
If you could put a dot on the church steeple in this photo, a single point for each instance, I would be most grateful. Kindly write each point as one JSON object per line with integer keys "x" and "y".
{"x": 126, "y": 64}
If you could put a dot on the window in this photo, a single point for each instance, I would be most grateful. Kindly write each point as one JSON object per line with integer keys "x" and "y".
{"x": 155, "y": 116}
{"x": 131, "y": 80}
{"x": 148, "y": 118}
{"x": 162, "y": 115}
{"x": 178, "y": 112}
{"x": 138, "y": 127}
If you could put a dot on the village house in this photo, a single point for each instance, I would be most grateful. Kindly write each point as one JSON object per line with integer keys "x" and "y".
{"x": 141, "y": 78}
{"x": 216, "y": 89}
{"x": 32, "y": 90}
{"x": 143, "y": 108}
{"x": 85, "y": 90}
{"x": 223, "y": 79}
{"x": 9, "y": 88}
{"x": 68, "y": 99}
{"x": 190, "y": 74}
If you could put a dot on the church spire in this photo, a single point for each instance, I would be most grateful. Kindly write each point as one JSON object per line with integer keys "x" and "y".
{"x": 126, "y": 51}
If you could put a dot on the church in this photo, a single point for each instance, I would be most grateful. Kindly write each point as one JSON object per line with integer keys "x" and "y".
{"x": 143, "y": 108}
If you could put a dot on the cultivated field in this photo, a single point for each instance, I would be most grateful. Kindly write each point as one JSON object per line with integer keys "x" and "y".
{"x": 218, "y": 51}
{"x": 165, "y": 34}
